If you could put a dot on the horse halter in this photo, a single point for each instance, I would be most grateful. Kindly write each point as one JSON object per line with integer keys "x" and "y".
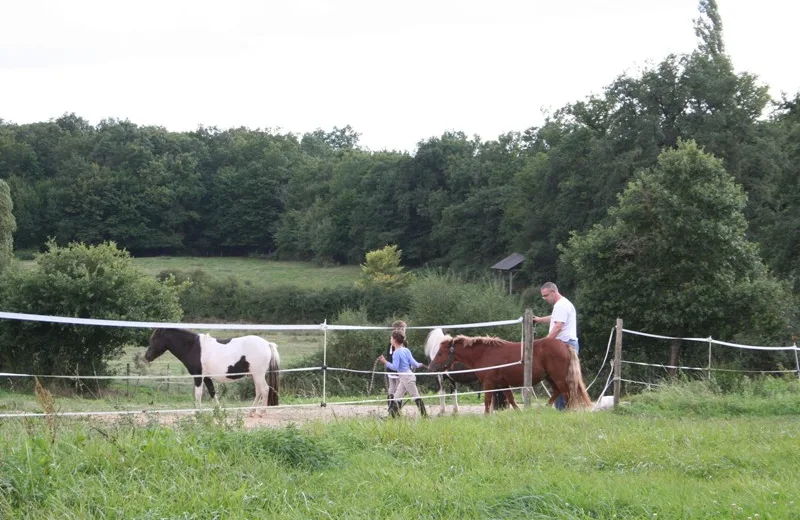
{"x": 450, "y": 356}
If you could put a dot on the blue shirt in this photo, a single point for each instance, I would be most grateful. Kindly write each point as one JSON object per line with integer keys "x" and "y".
{"x": 402, "y": 361}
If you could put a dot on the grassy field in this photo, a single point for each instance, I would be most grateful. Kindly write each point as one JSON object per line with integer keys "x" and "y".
{"x": 256, "y": 271}
{"x": 662, "y": 457}
{"x": 681, "y": 451}
{"x": 251, "y": 271}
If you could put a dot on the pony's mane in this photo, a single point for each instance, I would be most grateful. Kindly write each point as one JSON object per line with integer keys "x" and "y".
{"x": 434, "y": 339}
{"x": 485, "y": 341}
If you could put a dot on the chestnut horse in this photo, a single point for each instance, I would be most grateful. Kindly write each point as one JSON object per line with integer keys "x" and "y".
{"x": 553, "y": 361}
{"x": 432, "y": 342}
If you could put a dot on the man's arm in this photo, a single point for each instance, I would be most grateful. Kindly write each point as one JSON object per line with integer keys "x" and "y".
{"x": 541, "y": 319}
{"x": 557, "y": 326}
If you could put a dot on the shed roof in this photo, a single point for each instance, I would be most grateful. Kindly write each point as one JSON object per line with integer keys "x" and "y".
{"x": 510, "y": 262}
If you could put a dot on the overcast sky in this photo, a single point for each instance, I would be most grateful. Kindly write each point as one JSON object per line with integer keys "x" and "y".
{"x": 397, "y": 72}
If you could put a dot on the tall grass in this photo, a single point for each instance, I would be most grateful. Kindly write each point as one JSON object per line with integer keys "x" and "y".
{"x": 641, "y": 463}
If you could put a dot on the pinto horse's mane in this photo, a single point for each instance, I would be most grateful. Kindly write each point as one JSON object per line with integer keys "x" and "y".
{"x": 434, "y": 339}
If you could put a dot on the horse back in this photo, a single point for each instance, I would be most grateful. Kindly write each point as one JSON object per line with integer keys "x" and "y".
{"x": 498, "y": 352}
{"x": 251, "y": 354}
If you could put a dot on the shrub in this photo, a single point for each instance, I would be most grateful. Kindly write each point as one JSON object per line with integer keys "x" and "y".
{"x": 83, "y": 282}
{"x": 382, "y": 268}
{"x": 233, "y": 301}
{"x": 447, "y": 298}
{"x": 355, "y": 349}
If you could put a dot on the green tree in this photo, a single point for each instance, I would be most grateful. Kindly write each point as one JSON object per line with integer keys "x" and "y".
{"x": 7, "y": 225}
{"x": 776, "y": 217}
{"x": 674, "y": 259}
{"x": 382, "y": 267}
{"x": 82, "y": 282}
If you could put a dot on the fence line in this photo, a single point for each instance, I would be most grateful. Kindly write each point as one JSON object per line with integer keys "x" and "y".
{"x": 323, "y": 327}
{"x": 708, "y": 368}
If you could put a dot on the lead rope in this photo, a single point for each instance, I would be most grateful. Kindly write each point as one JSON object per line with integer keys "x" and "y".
{"x": 372, "y": 379}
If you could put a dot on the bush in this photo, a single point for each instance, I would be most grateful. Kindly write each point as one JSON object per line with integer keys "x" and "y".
{"x": 382, "y": 268}
{"x": 83, "y": 282}
{"x": 354, "y": 349}
{"x": 232, "y": 301}
{"x": 447, "y": 298}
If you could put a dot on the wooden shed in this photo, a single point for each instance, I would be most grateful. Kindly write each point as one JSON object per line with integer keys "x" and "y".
{"x": 510, "y": 265}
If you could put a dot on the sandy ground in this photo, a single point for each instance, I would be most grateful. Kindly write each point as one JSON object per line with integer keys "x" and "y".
{"x": 285, "y": 415}
{"x": 333, "y": 412}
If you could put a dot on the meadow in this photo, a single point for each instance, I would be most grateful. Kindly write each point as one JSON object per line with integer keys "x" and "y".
{"x": 681, "y": 452}
{"x": 256, "y": 271}
{"x": 688, "y": 449}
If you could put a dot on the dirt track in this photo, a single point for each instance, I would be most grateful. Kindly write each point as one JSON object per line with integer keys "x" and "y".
{"x": 334, "y": 412}
{"x": 286, "y": 415}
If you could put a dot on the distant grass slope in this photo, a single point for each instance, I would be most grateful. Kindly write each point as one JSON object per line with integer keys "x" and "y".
{"x": 257, "y": 271}
{"x": 251, "y": 271}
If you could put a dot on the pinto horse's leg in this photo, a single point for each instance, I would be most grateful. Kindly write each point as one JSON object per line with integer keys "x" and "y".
{"x": 198, "y": 391}
{"x": 211, "y": 390}
{"x": 262, "y": 390}
{"x": 455, "y": 397}
{"x": 441, "y": 394}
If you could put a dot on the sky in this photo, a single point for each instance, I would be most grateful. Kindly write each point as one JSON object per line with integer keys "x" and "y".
{"x": 397, "y": 72}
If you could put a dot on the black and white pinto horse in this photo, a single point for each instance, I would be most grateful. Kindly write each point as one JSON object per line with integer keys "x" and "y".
{"x": 432, "y": 342}
{"x": 226, "y": 360}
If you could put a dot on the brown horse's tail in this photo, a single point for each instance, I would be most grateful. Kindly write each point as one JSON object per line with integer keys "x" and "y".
{"x": 272, "y": 376}
{"x": 578, "y": 396}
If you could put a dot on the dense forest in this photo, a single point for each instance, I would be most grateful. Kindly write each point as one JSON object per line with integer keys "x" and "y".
{"x": 457, "y": 201}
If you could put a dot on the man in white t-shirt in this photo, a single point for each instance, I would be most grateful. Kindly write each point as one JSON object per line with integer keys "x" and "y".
{"x": 563, "y": 322}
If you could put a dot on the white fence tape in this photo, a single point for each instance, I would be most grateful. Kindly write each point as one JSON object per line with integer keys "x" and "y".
{"x": 710, "y": 340}
{"x": 227, "y": 326}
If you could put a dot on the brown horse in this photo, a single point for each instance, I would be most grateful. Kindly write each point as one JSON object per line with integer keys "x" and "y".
{"x": 553, "y": 361}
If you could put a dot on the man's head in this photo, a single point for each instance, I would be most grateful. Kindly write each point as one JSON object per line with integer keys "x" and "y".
{"x": 550, "y": 293}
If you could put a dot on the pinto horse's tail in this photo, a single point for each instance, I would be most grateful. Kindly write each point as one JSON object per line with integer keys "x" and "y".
{"x": 272, "y": 376}
{"x": 578, "y": 396}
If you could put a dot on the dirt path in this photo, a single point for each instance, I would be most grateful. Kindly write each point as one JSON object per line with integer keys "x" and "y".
{"x": 333, "y": 412}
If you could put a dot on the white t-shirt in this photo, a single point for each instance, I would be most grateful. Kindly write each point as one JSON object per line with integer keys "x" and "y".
{"x": 564, "y": 311}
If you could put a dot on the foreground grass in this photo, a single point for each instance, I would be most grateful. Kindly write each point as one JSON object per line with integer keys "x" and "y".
{"x": 647, "y": 461}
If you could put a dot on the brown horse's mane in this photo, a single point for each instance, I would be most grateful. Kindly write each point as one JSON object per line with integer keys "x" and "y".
{"x": 486, "y": 341}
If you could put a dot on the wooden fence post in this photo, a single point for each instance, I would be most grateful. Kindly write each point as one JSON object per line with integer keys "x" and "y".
{"x": 709, "y": 357}
{"x": 527, "y": 358}
{"x": 618, "y": 363}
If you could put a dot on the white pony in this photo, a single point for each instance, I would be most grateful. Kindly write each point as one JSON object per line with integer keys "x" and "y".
{"x": 432, "y": 342}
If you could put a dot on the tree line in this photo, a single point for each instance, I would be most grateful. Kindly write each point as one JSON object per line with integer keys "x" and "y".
{"x": 593, "y": 175}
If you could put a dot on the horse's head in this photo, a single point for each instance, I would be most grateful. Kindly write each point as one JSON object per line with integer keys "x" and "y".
{"x": 445, "y": 355}
{"x": 159, "y": 342}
